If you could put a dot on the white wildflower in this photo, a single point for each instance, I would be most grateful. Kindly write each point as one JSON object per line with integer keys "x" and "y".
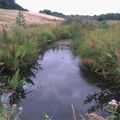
{"x": 113, "y": 103}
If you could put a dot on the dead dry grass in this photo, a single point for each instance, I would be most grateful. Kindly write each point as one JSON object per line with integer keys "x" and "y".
{"x": 8, "y": 17}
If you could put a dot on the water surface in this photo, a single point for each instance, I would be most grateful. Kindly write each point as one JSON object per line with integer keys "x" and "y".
{"x": 59, "y": 83}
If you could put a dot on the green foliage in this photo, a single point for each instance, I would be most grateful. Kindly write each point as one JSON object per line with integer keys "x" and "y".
{"x": 49, "y": 33}
{"x": 13, "y": 57}
{"x": 49, "y": 12}
{"x": 24, "y": 45}
{"x": 10, "y": 4}
{"x": 109, "y": 16}
{"x": 100, "y": 50}
{"x": 15, "y": 81}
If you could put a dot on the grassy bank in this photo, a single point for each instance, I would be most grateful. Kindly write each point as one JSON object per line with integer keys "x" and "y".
{"x": 99, "y": 47}
{"x": 20, "y": 47}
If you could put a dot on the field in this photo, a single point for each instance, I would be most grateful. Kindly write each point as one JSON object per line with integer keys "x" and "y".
{"x": 8, "y": 17}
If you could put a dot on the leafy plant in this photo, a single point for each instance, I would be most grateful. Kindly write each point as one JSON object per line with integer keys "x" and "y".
{"x": 15, "y": 81}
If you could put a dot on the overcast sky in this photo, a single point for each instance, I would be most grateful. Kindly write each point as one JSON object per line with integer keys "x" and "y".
{"x": 82, "y": 7}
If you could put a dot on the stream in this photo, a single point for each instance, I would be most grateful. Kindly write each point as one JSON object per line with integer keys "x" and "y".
{"x": 59, "y": 83}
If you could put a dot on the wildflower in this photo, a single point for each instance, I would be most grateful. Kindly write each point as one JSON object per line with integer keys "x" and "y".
{"x": 113, "y": 103}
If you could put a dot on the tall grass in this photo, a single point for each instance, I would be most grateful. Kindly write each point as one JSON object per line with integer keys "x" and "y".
{"x": 21, "y": 46}
{"x": 100, "y": 50}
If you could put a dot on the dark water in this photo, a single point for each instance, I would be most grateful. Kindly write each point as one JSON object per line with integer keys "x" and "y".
{"x": 60, "y": 83}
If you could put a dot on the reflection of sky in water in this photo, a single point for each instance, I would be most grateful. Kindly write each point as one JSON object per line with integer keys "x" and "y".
{"x": 57, "y": 86}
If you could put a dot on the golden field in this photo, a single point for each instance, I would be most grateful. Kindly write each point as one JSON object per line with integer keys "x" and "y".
{"x": 8, "y": 18}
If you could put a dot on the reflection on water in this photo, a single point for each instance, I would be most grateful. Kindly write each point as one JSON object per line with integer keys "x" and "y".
{"x": 60, "y": 83}
{"x": 100, "y": 100}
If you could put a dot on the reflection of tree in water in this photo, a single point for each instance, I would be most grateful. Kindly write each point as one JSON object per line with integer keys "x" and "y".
{"x": 100, "y": 99}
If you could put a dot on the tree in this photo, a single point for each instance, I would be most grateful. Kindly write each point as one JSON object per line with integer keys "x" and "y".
{"x": 49, "y": 12}
{"x": 10, "y": 4}
{"x": 109, "y": 16}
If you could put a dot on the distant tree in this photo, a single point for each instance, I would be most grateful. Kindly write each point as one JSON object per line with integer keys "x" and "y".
{"x": 109, "y": 16}
{"x": 10, "y": 4}
{"x": 49, "y": 12}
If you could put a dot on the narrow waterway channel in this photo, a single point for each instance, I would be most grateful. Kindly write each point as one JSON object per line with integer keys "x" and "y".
{"x": 60, "y": 83}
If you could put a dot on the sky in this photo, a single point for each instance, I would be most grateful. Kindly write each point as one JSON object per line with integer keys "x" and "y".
{"x": 81, "y": 7}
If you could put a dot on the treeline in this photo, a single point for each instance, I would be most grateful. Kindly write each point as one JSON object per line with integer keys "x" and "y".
{"x": 109, "y": 16}
{"x": 10, "y": 4}
{"x": 49, "y": 12}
